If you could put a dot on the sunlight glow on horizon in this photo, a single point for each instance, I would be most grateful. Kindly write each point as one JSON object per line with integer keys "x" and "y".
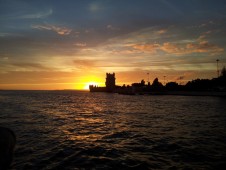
{"x": 86, "y": 87}
{"x": 90, "y": 80}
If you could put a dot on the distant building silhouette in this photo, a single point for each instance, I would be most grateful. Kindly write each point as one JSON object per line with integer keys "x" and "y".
{"x": 199, "y": 86}
{"x": 110, "y": 82}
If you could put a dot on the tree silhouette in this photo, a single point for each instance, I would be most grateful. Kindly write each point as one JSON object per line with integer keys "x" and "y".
{"x": 156, "y": 85}
{"x": 223, "y": 72}
{"x": 172, "y": 86}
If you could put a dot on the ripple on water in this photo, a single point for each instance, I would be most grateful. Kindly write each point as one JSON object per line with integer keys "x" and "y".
{"x": 79, "y": 130}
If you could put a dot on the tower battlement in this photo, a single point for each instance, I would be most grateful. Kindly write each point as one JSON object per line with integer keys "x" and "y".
{"x": 110, "y": 82}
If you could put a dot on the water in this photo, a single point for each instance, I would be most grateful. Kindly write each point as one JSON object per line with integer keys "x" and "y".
{"x": 82, "y": 130}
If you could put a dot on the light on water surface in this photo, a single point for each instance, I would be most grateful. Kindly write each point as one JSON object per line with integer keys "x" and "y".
{"x": 70, "y": 129}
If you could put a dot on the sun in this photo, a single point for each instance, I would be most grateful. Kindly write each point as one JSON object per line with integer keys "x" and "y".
{"x": 86, "y": 87}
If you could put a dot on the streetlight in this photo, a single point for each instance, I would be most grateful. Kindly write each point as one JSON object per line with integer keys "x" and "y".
{"x": 217, "y": 68}
{"x": 148, "y": 77}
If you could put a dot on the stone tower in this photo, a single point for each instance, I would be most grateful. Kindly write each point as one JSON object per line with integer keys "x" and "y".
{"x": 110, "y": 82}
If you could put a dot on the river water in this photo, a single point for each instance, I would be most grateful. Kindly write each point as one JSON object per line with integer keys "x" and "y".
{"x": 82, "y": 130}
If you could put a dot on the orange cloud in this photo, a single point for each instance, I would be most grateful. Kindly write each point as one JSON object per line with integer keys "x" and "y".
{"x": 146, "y": 47}
{"x": 173, "y": 48}
{"x": 180, "y": 48}
{"x": 85, "y": 64}
{"x": 200, "y": 47}
{"x": 58, "y": 30}
{"x": 204, "y": 47}
{"x": 124, "y": 52}
{"x": 162, "y": 31}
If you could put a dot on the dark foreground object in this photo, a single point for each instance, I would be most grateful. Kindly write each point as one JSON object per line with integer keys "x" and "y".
{"x": 7, "y": 144}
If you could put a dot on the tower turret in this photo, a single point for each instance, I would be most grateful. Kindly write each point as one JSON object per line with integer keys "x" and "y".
{"x": 110, "y": 82}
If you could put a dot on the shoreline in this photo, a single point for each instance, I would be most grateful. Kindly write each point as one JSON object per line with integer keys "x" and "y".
{"x": 175, "y": 93}
{"x": 188, "y": 93}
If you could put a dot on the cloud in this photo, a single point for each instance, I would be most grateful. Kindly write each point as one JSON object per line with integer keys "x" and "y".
{"x": 80, "y": 63}
{"x": 93, "y": 65}
{"x": 6, "y": 34}
{"x": 34, "y": 15}
{"x": 201, "y": 37}
{"x": 80, "y": 44}
{"x": 8, "y": 65}
{"x": 147, "y": 47}
{"x": 206, "y": 24}
{"x": 95, "y": 7}
{"x": 28, "y": 66}
{"x": 167, "y": 47}
{"x": 208, "y": 32}
{"x": 57, "y": 29}
{"x": 162, "y": 31}
{"x": 173, "y": 48}
{"x": 204, "y": 47}
{"x": 125, "y": 52}
{"x": 180, "y": 49}
{"x": 37, "y": 15}
{"x": 199, "y": 47}
{"x": 110, "y": 27}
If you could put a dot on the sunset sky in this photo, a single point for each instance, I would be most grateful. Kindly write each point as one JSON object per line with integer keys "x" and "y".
{"x": 69, "y": 44}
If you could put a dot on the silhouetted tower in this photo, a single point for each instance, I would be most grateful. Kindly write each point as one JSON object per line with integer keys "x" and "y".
{"x": 110, "y": 82}
{"x": 218, "y": 72}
